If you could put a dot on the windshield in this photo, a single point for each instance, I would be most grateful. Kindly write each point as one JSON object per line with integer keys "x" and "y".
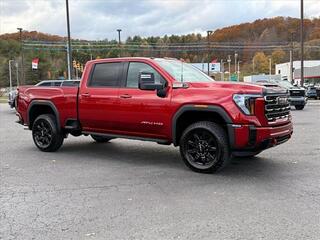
{"x": 183, "y": 72}
{"x": 283, "y": 83}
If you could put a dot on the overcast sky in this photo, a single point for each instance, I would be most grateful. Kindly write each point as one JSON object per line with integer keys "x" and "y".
{"x": 99, "y": 19}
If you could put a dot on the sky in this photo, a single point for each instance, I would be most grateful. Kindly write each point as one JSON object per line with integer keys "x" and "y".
{"x": 99, "y": 19}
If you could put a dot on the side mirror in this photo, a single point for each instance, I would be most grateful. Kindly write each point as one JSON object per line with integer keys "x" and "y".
{"x": 147, "y": 82}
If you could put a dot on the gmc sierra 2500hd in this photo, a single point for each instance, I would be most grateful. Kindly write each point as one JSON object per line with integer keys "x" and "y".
{"x": 161, "y": 100}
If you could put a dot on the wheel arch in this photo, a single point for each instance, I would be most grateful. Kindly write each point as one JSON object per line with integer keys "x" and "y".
{"x": 38, "y": 107}
{"x": 203, "y": 113}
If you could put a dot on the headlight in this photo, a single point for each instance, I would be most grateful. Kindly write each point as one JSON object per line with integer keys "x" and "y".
{"x": 246, "y": 102}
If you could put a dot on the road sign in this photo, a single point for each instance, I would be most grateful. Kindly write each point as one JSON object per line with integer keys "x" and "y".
{"x": 234, "y": 77}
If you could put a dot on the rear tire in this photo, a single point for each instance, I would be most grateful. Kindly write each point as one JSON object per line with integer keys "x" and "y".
{"x": 299, "y": 107}
{"x": 204, "y": 147}
{"x": 46, "y": 134}
{"x": 100, "y": 139}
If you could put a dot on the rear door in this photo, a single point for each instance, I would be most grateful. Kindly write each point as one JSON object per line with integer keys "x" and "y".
{"x": 99, "y": 98}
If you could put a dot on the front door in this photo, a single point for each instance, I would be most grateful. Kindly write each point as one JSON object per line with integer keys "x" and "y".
{"x": 142, "y": 112}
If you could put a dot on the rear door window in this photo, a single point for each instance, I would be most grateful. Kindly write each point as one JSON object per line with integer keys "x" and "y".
{"x": 106, "y": 75}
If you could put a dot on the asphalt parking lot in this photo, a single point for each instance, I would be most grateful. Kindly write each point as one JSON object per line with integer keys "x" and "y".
{"x": 137, "y": 190}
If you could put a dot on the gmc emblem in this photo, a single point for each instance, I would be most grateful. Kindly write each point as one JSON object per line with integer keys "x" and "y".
{"x": 282, "y": 100}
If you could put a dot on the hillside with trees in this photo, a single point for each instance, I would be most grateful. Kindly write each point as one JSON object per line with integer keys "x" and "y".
{"x": 254, "y": 42}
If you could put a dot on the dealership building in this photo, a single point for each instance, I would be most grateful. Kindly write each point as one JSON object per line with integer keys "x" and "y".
{"x": 311, "y": 71}
{"x": 311, "y": 75}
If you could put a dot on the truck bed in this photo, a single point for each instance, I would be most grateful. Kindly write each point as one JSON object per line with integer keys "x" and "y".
{"x": 64, "y": 99}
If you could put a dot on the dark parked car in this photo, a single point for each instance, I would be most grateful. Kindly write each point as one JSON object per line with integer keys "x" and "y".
{"x": 312, "y": 92}
{"x": 58, "y": 83}
{"x": 12, "y": 98}
{"x": 297, "y": 95}
{"x": 318, "y": 92}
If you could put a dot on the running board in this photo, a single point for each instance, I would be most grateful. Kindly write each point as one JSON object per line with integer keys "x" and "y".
{"x": 157, "y": 140}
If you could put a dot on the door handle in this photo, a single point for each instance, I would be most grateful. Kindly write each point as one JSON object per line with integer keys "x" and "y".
{"x": 125, "y": 96}
{"x": 85, "y": 95}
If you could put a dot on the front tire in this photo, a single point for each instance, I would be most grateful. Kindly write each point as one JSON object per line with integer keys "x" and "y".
{"x": 299, "y": 107}
{"x": 46, "y": 134}
{"x": 204, "y": 147}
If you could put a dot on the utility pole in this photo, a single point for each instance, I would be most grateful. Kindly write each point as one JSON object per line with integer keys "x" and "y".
{"x": 270, "y": 68}
{"x": 77, "y": 74}
{"x": 291, "y": 60}
{"x": 229, "y": 63}
{"x": 10, "y": 77}
{"x": 69, "y": 53}
{"x": 253, "y": 67}
{"x": 222, "y": 69}
{"x": 302, "y": 43}
{"x": 17, "y": 73}
{"x": 239, "y": 70}
{"x": 235, "y": 62}
{"x": 209, "y": 32}
{"x": 119, "y": 40}
{"x": 21, "y": 54}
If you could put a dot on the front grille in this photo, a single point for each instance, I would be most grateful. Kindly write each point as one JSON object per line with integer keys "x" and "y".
{"x": 297, "y": 93}
{"x": 276, "y": 107}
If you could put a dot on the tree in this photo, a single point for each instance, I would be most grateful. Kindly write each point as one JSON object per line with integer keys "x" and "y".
{"x": 278, "y": 56}
{"x": 261, "y": 62}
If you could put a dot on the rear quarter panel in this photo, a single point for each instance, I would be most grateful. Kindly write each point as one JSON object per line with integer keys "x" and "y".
{"x": 64, "y": 99}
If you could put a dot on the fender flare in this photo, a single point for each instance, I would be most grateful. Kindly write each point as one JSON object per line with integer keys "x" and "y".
{"x": 212, "y": 109}
{"x": 43, "y": 103}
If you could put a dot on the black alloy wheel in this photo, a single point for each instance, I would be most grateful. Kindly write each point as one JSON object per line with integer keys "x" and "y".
{"x": 204, "y": 147}
{"x": 42, "y": 133}
{"x": 46, "y": 134}
{"x": 201, "y": 148}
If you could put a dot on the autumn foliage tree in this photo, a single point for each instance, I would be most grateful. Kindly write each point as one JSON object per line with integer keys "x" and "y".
{"x": 247, "y": 39}
{"x": 278, "y": 56}
{"x": 261, "y": 63}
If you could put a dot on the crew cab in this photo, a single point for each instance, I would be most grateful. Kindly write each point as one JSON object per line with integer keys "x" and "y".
{"x": 162, "y": 100}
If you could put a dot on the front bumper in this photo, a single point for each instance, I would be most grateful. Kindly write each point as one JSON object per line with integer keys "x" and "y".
{"x": 312, "y": 95}
{"x": 297, "y": 101}
{"x": 255, "y": 139}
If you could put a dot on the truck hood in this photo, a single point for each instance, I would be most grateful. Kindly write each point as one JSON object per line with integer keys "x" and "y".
{"x": 235, "y": 87}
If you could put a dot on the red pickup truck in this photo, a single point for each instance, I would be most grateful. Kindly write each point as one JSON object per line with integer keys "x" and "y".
{"x": 161, "y": 100}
